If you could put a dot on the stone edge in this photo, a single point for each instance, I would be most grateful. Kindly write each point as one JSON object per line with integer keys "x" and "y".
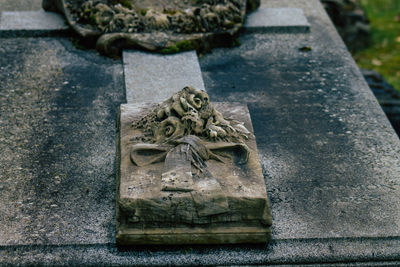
{"x": 10, "y": 33}
{"x": 333, "y": 252}
{"x": 295, "y": 28}
{"x": 191, "y": 236}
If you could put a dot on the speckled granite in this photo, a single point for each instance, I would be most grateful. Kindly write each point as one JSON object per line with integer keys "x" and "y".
{"x": 330, "y": 157}
{"x": 58, "y": 108}
{"x": 147, "y": 76}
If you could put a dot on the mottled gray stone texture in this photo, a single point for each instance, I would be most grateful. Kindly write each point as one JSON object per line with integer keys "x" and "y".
{"x": 31, "y": 20}
{"x": 266, "y": 19}
{"x": 20, "y": 5}
{"x": 154, "y": 78}
{"x": 58, "y": 108}
{"x": 35, "y": 23}
{"x": 330, "y": 157}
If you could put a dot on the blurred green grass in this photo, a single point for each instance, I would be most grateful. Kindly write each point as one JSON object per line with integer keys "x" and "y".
{"x": 383, "y": 54}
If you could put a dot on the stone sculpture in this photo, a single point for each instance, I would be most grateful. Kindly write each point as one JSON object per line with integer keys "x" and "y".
{"x": 187, "y": 172}
{"x": 155, "y": 25}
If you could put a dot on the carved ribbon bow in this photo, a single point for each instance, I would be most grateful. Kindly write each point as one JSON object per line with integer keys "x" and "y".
{"x": 185, "y": 168}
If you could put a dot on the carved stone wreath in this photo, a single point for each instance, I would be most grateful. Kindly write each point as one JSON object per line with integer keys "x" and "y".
{"x": 156, "y": 25}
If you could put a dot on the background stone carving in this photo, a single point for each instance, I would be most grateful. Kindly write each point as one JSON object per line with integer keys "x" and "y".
{"x": 166, "y": 26}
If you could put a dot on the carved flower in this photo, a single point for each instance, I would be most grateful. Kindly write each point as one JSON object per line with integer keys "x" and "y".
{"x": 196, "y": 98}
{"x": 189, "y": 112}
{"x": 193, "y": 122}
{"x": 169, "y": 129}
{"x": 156, "y": 20}
{"x": 103, "y": 15}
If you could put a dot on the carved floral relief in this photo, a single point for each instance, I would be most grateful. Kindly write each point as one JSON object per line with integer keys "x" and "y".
{"x": 184, "y": 132}
{"x": 165, "y": 26}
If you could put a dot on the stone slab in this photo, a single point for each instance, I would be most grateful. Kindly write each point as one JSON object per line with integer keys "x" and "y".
{"x": 148, "y": 214}
{"x": 315, "y": 252}
{"x": 154, "y": 78}
{"x": 20, "y": 5}
{"x": 330, "y": 157}
{"x": 279, "y": 20}
{"x": 58, "y": 108}
{"x": 31, "y": 23}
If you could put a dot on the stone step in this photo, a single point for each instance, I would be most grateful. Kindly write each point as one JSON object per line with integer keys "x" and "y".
{"x": 278, "y": 20}
{"x": 153, "y": 78}
{"x": 31, "y": 23}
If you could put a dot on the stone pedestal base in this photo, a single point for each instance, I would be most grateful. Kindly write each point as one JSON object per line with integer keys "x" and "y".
{"x": 193, "y": 235}
{"x": 232, "y": 207}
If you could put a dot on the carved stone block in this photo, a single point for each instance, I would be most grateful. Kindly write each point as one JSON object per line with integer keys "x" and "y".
{"x": 165, "y": 26}
{"x": 180, "y": 186}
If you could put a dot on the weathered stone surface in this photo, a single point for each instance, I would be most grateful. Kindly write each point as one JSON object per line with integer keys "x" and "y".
{"x": 225, "y": 202}
{"x": 339, "y": 196}
{"x": 148, "y": 76}
{"x": 31, "y": 23}
{"x": 277, "y": 20}
{"x": 39, "y": 23}
{"x": 31, "y": 20}
{"x": 58, "y": 108}
{"x": 330, "y": 156}
{"x": 20, "y": 5}
{"x": 160, "y": 26}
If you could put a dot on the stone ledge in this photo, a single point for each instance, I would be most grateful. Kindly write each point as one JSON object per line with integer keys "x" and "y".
{"x": 331, "y": 252}
{"x": 154, "y": 78}
{"x": 31, "y": 24}
{"x": 190, "y": 236}
{"x": 41, "y": 23}
{"x": 277, "y": 20}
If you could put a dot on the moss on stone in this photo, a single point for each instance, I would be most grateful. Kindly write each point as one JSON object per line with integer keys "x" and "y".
{"x": 143, "y": 12}
{"x": 170, "y": 50}
{"x": 184, "y": 45}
